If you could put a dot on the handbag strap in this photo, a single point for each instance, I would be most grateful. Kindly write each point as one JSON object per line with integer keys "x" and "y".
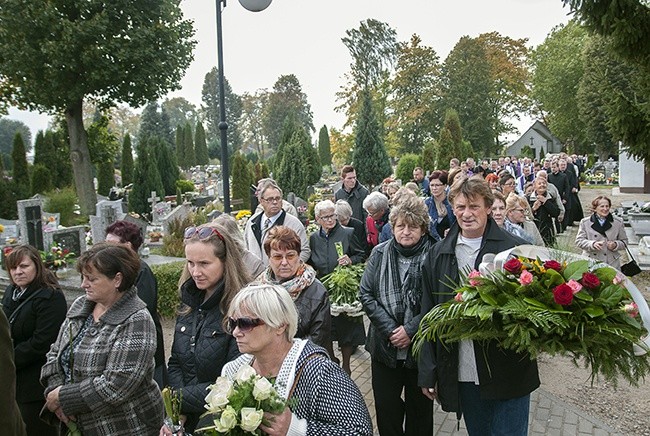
{"x": 629, "y": 253}
{"x": 14, "y": 314}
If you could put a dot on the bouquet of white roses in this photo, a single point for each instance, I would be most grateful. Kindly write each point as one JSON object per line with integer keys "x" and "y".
{"x": 237, "y": 406}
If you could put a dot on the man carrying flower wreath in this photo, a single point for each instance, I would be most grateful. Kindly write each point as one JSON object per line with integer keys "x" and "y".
{"x": 488, "y": 385}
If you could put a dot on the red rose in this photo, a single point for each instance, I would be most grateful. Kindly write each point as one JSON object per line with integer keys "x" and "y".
{"x": 590, "y": 280}
{"x": 563, "y": 294}
{"x": 513, "y": 266}
{"x": 553, "y": 264}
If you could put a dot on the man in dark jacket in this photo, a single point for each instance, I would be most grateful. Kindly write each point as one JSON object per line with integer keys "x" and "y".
{"x": 490, "y": 386}
{"x": 353, "y": 192}
{"x": 561, "y": 182}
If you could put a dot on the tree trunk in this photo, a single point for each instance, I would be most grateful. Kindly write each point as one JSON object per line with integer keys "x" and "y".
{"x": 80, "y": 158}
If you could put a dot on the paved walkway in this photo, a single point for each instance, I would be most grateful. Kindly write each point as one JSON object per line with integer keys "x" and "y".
{"x": 549, "y": 415}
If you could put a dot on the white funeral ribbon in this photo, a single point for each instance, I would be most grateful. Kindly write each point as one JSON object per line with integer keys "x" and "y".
{"x": 495, "y": 262}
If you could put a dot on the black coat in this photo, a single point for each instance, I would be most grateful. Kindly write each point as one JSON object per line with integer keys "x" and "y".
{"x": 33, "y": 328}
{"x": 502, "y": 374}
{"x": 148, "y": 292}
{"x": 382, "y": 323}
{"x": 314, "y": 318}
{"x": 193, "y": 367}
{"x": 324, "y": 257}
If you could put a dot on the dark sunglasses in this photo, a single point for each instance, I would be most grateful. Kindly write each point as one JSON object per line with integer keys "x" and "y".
{"x": 202, "y": 232}
{"x": 245, "y": 324}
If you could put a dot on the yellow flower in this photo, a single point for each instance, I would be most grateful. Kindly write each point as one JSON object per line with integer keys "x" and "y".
{"x": 2, "y": 228}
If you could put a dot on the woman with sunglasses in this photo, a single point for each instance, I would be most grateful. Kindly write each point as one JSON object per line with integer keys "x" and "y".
{"x": 282, "y": 246}
{"x": 518, "y": 220}
{"x": 214, "y": 272}
{"x": 325, "y": 257}
{"x": 263, "y": 320}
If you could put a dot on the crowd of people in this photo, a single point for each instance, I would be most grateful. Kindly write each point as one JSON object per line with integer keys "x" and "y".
{"x": 256, "y": 298}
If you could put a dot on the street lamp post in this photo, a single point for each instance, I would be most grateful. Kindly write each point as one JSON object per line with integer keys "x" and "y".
{"x": 254, "y": 6}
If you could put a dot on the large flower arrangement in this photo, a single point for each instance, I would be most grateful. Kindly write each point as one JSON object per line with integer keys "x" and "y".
{"x": 554, "y": 307}
{"x": 237, "y": 407}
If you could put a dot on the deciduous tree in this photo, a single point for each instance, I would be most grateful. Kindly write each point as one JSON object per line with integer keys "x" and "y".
{"x": 558, "y": 69}
{"x": 76, "y": 49}
{"x": 468, "y": 87}
{"x": 415, "y": 91}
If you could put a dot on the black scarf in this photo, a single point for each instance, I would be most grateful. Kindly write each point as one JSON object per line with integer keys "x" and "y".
{"x": 595, "y": 223}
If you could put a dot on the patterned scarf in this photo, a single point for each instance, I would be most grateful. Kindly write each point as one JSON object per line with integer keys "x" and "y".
{"x": 304, "y": 278}
{"x": 402, "y": 298}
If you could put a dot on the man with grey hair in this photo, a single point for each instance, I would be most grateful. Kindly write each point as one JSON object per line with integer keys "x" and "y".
{"x": 272, "y": 214}
{"x": 286, "y": 206}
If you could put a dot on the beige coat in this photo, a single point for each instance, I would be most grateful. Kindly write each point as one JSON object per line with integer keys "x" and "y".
{"x": 587, "y": 236}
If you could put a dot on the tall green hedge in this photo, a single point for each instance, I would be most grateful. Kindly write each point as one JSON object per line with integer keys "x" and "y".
{"x": 168, "y": 275}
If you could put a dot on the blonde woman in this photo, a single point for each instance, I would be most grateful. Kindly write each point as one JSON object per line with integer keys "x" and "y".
{"x": 518, "y": 220}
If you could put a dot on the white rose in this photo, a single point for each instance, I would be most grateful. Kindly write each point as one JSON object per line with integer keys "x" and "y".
{"x": 251, "y": 418}
{"x": 228, "y": 420}
{"x": 217, "y": 398}
{"x": 262, "y": 389}
{"x": 244, "y": 373}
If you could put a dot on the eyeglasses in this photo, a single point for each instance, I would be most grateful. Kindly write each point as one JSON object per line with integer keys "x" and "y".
{"x": 272, "y": 199}
{"x": 328, "y": 217}
{"x": 289, "y": 256}
{"x": 245, "y": 325}
{"x": 202, "y": 232}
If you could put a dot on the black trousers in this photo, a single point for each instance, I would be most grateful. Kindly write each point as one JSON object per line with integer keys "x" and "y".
{"x": 387, "y": 385}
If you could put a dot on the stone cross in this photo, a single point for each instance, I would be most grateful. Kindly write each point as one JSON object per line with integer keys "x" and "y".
{"x": 153, "y": 200}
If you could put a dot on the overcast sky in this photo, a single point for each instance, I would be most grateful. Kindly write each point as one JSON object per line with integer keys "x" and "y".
{"x": 303, "y": 37}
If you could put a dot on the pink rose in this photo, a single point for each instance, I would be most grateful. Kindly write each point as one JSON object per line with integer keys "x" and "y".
{"x": 525, "y": 278}
{"x": 513, "y": 266}
{"x": 459, "y": 297}
{"x": 553, "y": 264}
{"x": 575, "y": 286}
{"x": 563, "y": 294}
{"x": 631, "y": 309}
{"x": 472, "y": 278}
{"x": 618, "y": 279}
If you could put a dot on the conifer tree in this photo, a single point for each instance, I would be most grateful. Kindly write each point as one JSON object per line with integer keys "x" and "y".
{"x": 261, "y": 171}
{"x": 127, "y": 161}
{"x": 8, "y": 207}
{"x": 369, "y": 157}
{"x": 179, "y": 147}
{"x": 20, "y": 178}
{"x": 200, "y": 145}
{"x": 289, "y": 126}
{"x": 324, "y": 151}
{"x": 40, "y": 154}
{"x": 291, "y": 173}
{"x": 105, "y": 177}
{"x": 188, "y": 146}
{"x": 242, "y": 178}
{"x": 146, "y": 179}
{"x": 429, "y": 156}
{"x": 41, "y": 179}
{"x": 167, "y": 167}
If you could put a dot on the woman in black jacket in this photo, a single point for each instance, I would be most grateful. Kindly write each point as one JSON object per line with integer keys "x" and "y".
{"x": 214, "y": 272}
{"x": 35, "y": 308}
{"x": 390, "y": 291}
{"x": 545, "y": 209}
